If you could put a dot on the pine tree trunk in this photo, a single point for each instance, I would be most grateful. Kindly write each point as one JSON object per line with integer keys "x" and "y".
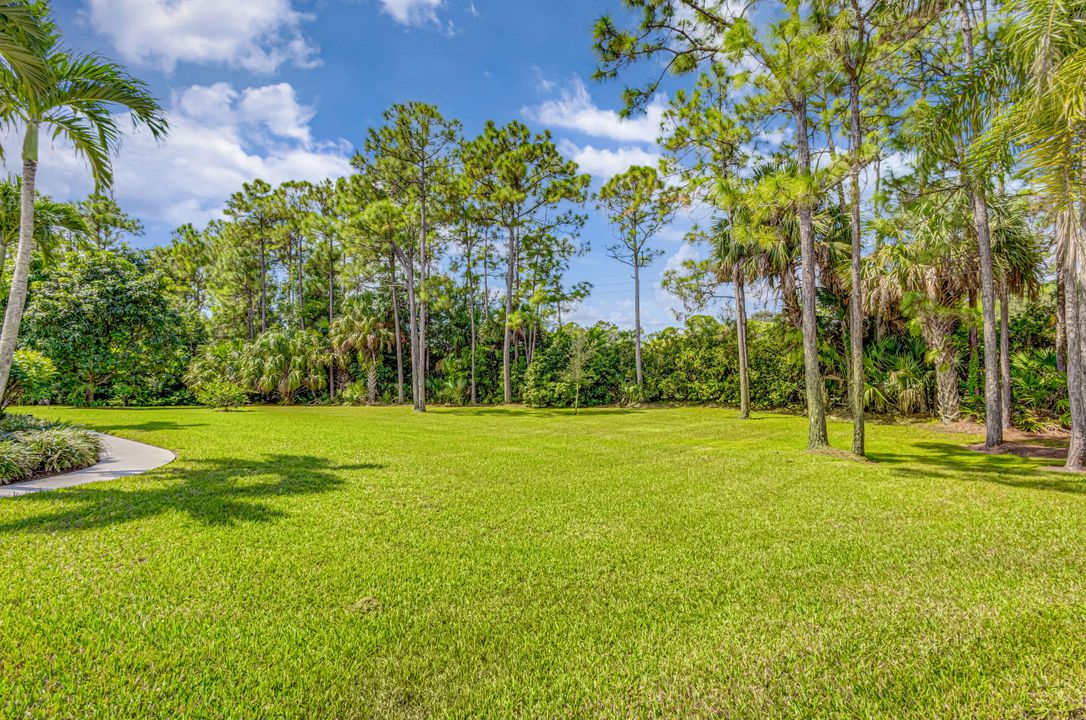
{"x": 507, "y": 374}
{"x": 13, "y": 315}
{"x": 816, "y": 412}
{"x": 471, "y": 314}
{"x": 856, "y": 315}
{"x": 263, "y": 288}
{"x": 424, "y": 269}
{"x": 396, "y": 328}
{"x": 637, "y": 325}
{"x": 993, "y": 408}
{"x": 741, "y": 331}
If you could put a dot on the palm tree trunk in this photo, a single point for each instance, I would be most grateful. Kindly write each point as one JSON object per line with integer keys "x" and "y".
{"x": 13, "y": 316}
{"x": 371, "y": 380}
{"x": 1076, "y": 372}
{"x": 1005, "y": 356}
{"x": 816, "y": 411}
{"x": 856, "y": 315}
{"x": 637, "y": 324}
{"x": 741, "y": 331}
{"x": 937, "y": 334}
{"x": 1061, "y": 321}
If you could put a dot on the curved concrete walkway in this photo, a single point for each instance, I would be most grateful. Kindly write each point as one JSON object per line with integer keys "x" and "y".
{"x": 120, "y": 458}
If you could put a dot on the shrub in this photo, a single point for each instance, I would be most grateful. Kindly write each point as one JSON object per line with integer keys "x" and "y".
{"x": 221, "y": 395}
{"x": 17, "y": 461}
{"x": 31, "y": 380}
{"x": 20, "y": 423}
{"x": 353, "y": 394}
{"x": 59, "y": 448}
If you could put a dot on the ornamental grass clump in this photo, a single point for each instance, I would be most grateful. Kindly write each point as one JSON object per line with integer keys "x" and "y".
{"x": 30, "y": 447}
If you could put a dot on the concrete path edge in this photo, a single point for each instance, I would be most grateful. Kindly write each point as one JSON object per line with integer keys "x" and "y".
{"x": 120, "y": 458}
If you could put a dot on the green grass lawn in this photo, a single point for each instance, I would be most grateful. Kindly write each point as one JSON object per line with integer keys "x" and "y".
{"x": 323, "y": 562}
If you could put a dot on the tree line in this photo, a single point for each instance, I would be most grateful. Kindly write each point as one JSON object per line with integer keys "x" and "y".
{"x": 917, "y": 220}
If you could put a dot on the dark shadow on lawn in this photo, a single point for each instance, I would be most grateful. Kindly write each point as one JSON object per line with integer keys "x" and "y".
{"x": 537, "y": 412}
{"x": 213, "y": 492}
{"x": 954, "y": 462}
{"x": 149, "y": 426}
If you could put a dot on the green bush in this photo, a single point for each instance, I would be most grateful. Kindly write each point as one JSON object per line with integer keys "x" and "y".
{"x": 353, "y": 394}
{"x": 609, "y": 369}
{"x": 32, "y": 378}
{"x": 59, "y": 449}
{"x": 17, "y": 461}
{"x": 221, "y": 395}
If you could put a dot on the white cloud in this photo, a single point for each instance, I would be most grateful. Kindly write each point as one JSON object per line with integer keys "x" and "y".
{"x": 219, "y": 138}
{"x": 605, "y": 164}
{"x": 574, "y": 110}
{"x": 256, "y": 35}
{"x": 413, "y": 12}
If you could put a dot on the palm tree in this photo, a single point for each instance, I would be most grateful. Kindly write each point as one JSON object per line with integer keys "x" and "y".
{"x": 286, "y": 362}
{"x": 362, "y": 333}
{"x": 54, "y": 222}
{"x": 21, "y": 35}
{"x": 925, "y": 273}
{"x": 75, "y": 104}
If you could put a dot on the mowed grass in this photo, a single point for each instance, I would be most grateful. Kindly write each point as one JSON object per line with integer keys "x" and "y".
{"x": 324, "y": 562}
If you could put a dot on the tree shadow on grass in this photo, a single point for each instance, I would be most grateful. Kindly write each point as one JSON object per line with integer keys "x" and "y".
{"x": 500, "y": 411}
{"x": 222, "y": 491}
{"x": 149, "y": 426}
{"x": 955, "y": 462}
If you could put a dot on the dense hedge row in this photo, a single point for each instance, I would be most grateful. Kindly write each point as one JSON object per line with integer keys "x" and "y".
{"x": 696, "y": 364}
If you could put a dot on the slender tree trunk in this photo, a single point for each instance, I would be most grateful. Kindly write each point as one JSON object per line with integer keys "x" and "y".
{"x": 856, "y": 315}
{"x": 3, "y": 258}
{"x": 1061, "y": 320}
{"x": 817, "y": 436}
{"x": 974, "y": 342}
{"x": 371, "y": 381}
{"x": 412, "y": 312}
{"x": 424, "y": 269}
{"x": 1005, "y": 356}
{"x": 471, "y": 315}
{"x": 741, "y": 331}
{"x": 263, "y": 287}
{"x": 13, "y": 315}
{"x": 993, "y": 409}
{"x": 396, "y": 327}
{"x": 1076, "y": 373}
{"x": 331, "y": 310}
{"x": 301, "y": 286}
{"x": 993, "y": 406}
{"x": 507, "y": 373}
{"x": 637, "y": 323}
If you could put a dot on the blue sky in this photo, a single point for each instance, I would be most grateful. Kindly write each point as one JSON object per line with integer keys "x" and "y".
{"x": 285, "y": 89}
